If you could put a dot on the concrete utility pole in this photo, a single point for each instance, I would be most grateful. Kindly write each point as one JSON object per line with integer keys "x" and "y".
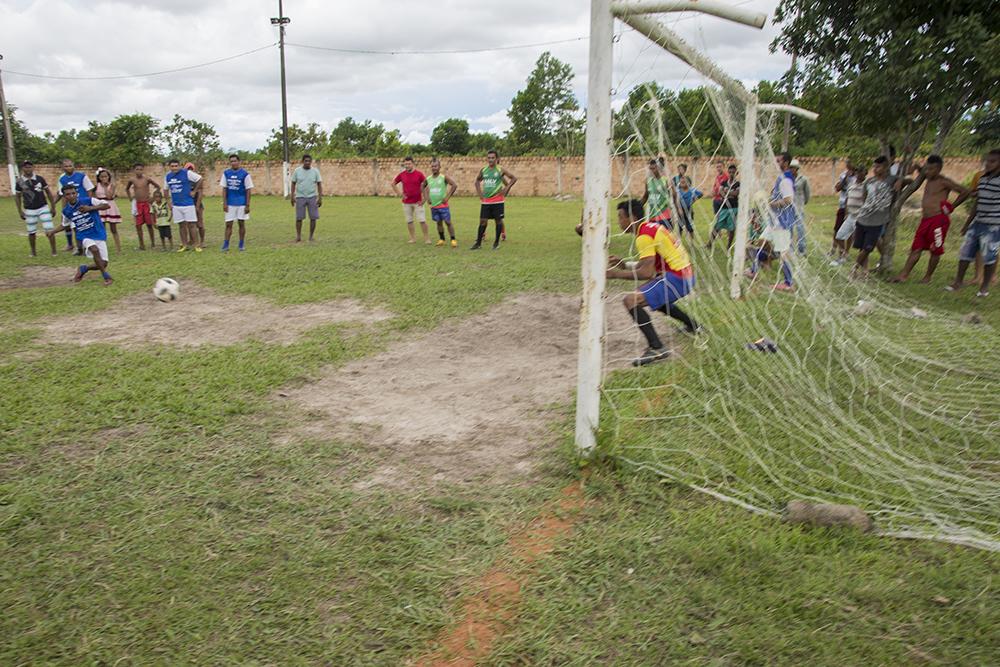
{"x": 281, "y": 21}
{"x": 8, "y": 137}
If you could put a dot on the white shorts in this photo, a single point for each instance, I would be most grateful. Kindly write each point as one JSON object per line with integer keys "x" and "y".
{"x": 411, "y": 211}
{"x": 237, "y": 213}
{"x": 102, "y": 248}
{"x": 780, "y": 239}
{"x": 32, "y": 217}
{"x": 846, "y": 230}
{"x": 185, "y": 214}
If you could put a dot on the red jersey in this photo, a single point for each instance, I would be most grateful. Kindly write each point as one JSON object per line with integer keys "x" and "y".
{"x": 412, "y": 181}
{"x": 720, "y": 181}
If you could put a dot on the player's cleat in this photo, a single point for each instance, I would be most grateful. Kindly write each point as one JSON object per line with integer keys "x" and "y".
{"x": 80, "y": 271}
{"x": 197, "y": 248}
{"x": 784, "y": 287}
{"x": 107, "y": 278}
{"x": 454, "y": 243}
{"x": 496, "y": 246}
{"x": 697, "y": 331}
{"x": 650, "y": 356}
{"x": 440, "y": 243}
{"x": 982, "y": 294}
{"x": 243, "y": 246}
{"x": 225, "y": 246}
{"x": 182, "y": 249}
{"x": 477, "y": 246}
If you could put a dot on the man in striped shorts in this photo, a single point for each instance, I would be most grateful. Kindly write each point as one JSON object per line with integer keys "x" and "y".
{"x": 982, "y": 230}
{"x": 34, "y": 198}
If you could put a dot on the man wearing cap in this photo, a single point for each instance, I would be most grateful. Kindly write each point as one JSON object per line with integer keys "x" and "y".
{"x": 34, "y": 204}
{"x": 802, "y": 196}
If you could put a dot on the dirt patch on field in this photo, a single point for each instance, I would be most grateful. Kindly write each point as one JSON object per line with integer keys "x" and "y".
{"x": 40, "y": 276}
{"x": 473, "y": 400}
{"x": 202, "y": 316}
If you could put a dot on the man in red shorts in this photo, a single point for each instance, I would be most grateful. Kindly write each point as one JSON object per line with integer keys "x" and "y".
{"x": 140, "y": 190}
{"x": 933, "y": 227}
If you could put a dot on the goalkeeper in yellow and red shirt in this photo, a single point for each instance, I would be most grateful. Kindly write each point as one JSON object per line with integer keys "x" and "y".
{"x": 665, "y": 267}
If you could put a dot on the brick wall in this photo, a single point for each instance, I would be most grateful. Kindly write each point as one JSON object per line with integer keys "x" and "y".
{"x": 537, "y": 176}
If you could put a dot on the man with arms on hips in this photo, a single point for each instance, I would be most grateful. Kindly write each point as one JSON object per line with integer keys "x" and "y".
{"x": 982, "y": 229}
{"x": 412, "y": 195}
{"x": 438, "y": 191}
{"x": 34, "y": 198}
{"x": 140, "y": 190}
{"x": 236, "y": 190}
{"x": 493, "y": 184}
{"x": 84, "y": 189}
{"x": 935, "y": 220}
{"x": 306, "y": 196}
{"x": 86, "y": 221}
{"x": 184, "y": 186}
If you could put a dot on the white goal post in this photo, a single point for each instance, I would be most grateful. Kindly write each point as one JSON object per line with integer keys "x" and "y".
{"x": 597, "y": 170}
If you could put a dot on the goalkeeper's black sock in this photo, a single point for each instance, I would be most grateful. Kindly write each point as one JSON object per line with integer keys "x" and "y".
{"x": 641, "y": 318}
{"x": 481, "y": 233}
{"x": 441, "y": 231}
{"x": 499, "y": 231}
{"x": 673, "y": 311}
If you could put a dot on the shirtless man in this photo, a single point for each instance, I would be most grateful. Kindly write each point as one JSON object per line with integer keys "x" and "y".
{"x": 935, "y": 222}
{"x": 138, "y": 190}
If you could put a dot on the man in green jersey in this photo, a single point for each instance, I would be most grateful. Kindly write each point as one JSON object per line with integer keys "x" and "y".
{"x": 492, "y": 184}
{"x": 657, "y": 197}
{"x": 438, "y": 190}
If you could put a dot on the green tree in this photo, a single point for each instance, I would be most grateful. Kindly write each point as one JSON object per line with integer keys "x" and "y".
{"x": 909, "y": 70}
{"x": 545, "y": 114}
{"x": 127, "y": 139}
{"x": 27, "y": 146}
{"x": 351, "y": 138}
{"x": 655, "y": 119}
{"x": 189, "y": 139}
{"x": 309, "y": 139}
{"x": 480, "y": 142}
{"x": 451, "y": 137}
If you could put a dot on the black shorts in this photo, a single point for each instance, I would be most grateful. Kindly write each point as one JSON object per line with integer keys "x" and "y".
{"x": 491, "y": 212}
{"x": 865, "y": 238}
{"x": 165, "y": 232}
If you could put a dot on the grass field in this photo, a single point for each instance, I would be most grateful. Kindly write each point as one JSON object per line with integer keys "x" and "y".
{"x": 151, "y": 513}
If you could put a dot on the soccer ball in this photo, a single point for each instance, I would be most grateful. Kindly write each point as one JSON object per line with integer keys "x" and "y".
{"x": 166, "y": 289}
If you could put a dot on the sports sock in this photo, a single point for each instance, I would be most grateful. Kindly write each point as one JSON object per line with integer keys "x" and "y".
{"x": 499, "y": 231}
{"x": 105, "y": 275}
{"x": 641, "y": 318}
{"x": 481, "y": 233}
{"x": 69, "y": 238}
{"x": 682, "y": 317}
{"x": 83, "y": 269}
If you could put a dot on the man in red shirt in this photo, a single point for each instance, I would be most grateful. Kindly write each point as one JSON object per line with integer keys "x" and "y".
{"x": 413, "y": 197}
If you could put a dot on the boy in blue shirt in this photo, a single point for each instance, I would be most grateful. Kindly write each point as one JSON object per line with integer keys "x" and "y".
{"x": 90, "y": 232}
{"x": 236, "y": 189}
{"x": 686, "y": 197}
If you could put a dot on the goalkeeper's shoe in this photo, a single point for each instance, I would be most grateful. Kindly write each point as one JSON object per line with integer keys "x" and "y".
{"x": 651, "y": 356}
{"x": 454, "y": 243}
{"x": 440, "y": 243}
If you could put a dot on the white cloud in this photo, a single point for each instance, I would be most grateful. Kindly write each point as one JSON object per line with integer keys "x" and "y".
{"x": 412, "y": 92}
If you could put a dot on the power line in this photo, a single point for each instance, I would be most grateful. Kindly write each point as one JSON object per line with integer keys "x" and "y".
{"x": 142, "y": 76}
{"x": 436, "y": 53}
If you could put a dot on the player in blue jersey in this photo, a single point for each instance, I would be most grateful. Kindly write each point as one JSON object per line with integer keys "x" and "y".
{"x": 90, "y": 232}
{"x": 237, "y": 187}
{"x": 184, "y": 186}
{"x": 85, "y": 190}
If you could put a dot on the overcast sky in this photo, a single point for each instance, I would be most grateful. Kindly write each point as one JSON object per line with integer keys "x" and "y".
{"x": 409, "y": 92}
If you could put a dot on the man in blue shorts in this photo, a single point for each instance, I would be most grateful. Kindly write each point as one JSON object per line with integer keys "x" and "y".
{"x": 90, "y": 232}
{"x": 665, "y": 267}
{"x": 438, "y": 191}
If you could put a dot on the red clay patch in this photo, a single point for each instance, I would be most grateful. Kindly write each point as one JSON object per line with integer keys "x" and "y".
{"x": 497, "y": 594}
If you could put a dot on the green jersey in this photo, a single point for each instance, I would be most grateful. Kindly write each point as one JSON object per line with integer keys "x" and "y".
{"x": 658, "y": 202}
{"x": 437, "y": 191}
{"x": 493, "y": 185}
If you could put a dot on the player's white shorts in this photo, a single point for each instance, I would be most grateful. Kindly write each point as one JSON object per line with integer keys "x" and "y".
{"x": 102, "y": 248}
{"x": 185, "y": 214}
{"x": 781, "y": 239}
{"x": 237, "y": 213}
{"x": 32, "y": 217}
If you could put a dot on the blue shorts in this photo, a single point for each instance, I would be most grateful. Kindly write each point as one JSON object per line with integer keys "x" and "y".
{"x": 665, "y": 290}
{"x": 981, "y": 238}
{"x": 441, "y": 214}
